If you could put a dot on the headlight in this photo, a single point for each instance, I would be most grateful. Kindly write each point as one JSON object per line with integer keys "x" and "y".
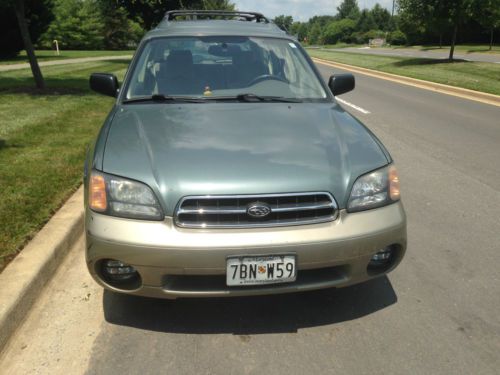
{"x": 119, "y": 196}
{"x": 375, "y": 189}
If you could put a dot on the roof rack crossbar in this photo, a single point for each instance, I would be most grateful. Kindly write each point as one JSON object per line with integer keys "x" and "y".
{"x": 193, "y": 14}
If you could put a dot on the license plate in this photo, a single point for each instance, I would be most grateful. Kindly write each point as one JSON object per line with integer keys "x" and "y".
{"x": 259, "y": 270}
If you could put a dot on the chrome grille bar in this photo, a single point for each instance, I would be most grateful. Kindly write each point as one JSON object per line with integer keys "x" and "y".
{"x": 231, "y": 211}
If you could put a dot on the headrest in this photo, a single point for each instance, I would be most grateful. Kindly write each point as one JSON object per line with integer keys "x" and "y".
{"x": 219, "y": 50}
{"x": 180, "y": 57}
{"x": 243, "y": 57}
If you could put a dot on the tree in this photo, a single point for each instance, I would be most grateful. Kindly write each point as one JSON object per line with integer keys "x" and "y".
{"x": 412, "y": 26}
{"x": 457, "y": 12}
{"x": 348, "y": 9}
{"x": 119, "y": 30}
{"x": 19, "y": 8}
{"x": 217, "y": 5}
{"x": 365, "y": 22}
{"x": 284, "y": 22}
{"x": 38, "y": 17}
{"x": 78, "y": 24}
{"x": 303, "y": 30}
{"x": 381, "y": 17}
{"x": 487, "y": 12}
{"x": 314, "y": 36}
{"x": 150, "y": 12}
{"x": 432, "y": 12}
{"x": 299, "y": 29}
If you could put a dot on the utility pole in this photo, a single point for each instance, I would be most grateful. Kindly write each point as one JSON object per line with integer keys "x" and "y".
{"x": 392, "y": 14}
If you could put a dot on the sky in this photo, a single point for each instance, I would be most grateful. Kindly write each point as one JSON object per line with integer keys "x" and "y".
{"x": 301, "y": 10}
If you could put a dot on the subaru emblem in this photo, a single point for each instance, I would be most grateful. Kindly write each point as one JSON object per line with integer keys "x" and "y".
{"x": 258, "y": 210}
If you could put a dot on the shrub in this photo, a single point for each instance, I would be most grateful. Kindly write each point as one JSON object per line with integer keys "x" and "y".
{"x": 397, "y": 38}
{"x": 374, "y": 34}
{"x": 339, "y": 31}
{"x": 358, "y": 37}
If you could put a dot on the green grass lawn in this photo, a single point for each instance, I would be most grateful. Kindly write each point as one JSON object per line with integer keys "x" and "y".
{"x": 43, "y": 140}
{"x": 44, "y": 55}
{"x": 477, "y": 76}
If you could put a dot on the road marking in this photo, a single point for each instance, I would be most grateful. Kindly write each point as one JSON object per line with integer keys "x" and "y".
{"x": 468, "y": 94}
{"x": 357, "y": 108}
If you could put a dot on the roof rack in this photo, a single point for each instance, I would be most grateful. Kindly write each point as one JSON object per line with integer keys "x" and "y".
{"x": 217, "y": 14}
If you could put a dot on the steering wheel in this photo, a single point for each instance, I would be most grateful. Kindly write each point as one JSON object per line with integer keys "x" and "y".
{"x": 265, "y": 77}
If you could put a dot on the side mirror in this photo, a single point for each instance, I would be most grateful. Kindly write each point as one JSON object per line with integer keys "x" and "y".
{"x": 104, "y": 83}
{"x": 341, "y": 83}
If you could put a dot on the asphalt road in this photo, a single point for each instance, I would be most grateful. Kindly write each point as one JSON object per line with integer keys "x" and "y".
{"x": 436, "y": 314}
{"x": 429, "y": 54}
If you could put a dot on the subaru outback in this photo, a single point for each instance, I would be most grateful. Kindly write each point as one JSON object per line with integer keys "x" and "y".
{"x": 226, "y": 167}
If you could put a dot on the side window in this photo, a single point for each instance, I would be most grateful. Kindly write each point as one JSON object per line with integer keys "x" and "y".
{"x": 137, "y": 83}
{"x": 289, "y": 68}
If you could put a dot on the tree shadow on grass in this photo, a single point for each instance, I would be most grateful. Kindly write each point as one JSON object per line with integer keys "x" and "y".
{"x": 420, "y": 61}
{"x": 435, "y": 48}
{"x": 54, "y": 86}
{"x": 65, "y": 84}
{"x": 250, "y": 315}
{"x": 124, "y": 62}
{"x": 5, "y": 145}
{"x": 485, "y": 49}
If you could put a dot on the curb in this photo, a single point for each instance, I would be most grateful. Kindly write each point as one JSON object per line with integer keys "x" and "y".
{"x": 26, "y": 276}
{"x": 477, "y": 96}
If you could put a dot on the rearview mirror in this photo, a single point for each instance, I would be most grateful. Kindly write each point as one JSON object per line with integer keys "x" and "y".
{"x": 341, "y": 83}
{"x": 104, "y": 83}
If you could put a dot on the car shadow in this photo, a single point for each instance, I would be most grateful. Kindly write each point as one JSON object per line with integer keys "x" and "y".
{"x": 250, "y": 315}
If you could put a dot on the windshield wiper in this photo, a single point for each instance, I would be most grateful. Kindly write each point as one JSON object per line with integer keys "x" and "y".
{"x": 160, "y": 98}
{"x": 248, "y": 97}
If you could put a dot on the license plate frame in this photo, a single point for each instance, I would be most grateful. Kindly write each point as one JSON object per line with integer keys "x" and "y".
{"x": 255, "y": 276}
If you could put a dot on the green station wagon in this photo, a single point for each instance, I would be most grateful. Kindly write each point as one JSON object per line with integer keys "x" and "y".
{"x": 226, "y": 167}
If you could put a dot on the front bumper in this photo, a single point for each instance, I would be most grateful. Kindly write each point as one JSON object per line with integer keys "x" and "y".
{"x": 176, "y": 262}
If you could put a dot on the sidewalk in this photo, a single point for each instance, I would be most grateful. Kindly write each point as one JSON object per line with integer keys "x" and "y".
{"x": 6, "y": 68}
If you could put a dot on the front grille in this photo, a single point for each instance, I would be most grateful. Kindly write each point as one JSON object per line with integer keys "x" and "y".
{"x": 232, "y": 211}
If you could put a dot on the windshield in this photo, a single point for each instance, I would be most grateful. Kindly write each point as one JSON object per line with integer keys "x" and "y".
{"x": 223, "y": 66}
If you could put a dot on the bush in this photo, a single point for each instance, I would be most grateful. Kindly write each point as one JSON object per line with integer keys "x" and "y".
{"x": 374, "y": 34}
{"x": 397, "y": 38}
{"x": 339, "y": 31}
{"x": 358, "y": 37}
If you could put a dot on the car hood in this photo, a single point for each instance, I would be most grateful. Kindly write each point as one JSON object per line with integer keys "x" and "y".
{"x": 240, "y": 148}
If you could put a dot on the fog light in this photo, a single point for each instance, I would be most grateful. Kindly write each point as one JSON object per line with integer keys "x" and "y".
{"x": 381, "y": 258}
{"x": 118, "y": 271}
